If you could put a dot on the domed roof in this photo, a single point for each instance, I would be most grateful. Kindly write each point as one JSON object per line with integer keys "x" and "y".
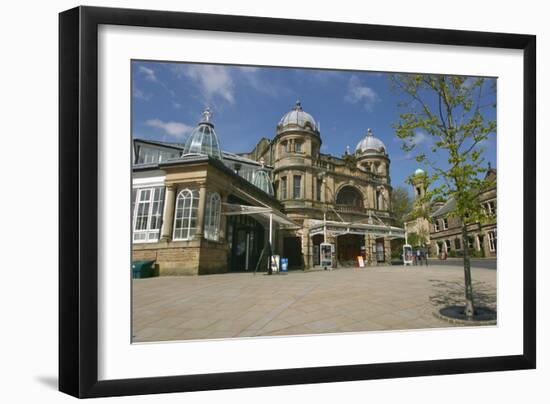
{"x": 203, "y": 139}
{"x": 419, "y": 171}
{"x": 298, "y": 117}
{"x": 370, "y": 145}
{"x": 262, "y": 180}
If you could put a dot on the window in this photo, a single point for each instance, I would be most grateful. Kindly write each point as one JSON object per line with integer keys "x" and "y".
{"x": 436, "y": 225}
{"x": 448, "y": 245}
{"x": 147, "y": 155}
{"x": 458, "y": 245}
{"x": 147, "y": 214}
{"x": 212, "y": 216}
{"x": 185, "y": 217}
{"x": 490, "y": 208}
{"x": 378, "y": 200}
{"x": 282, "y": 191}
{"x": 285, "y": 147}
{"x": 298, "y": 147}
{"x": 319, "y": 188}
{"x": 445, "y": 224}
{"x": 492, "y": 241}
{"x": 471, "y": 242}
{"x": 297, "y": 187}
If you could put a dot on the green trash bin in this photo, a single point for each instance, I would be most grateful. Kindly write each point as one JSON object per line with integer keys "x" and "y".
{"x": 143, "y": 269}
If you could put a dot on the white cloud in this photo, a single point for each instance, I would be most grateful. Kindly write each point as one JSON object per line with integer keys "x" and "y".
{"x": 175, "y": 129}
{"x": 359, "y": 93}
{"x": 420, "y": 137}
{"x": 213, "y": 81}
{"x": 148, "y": 73}
{"x": 137, "y": 93}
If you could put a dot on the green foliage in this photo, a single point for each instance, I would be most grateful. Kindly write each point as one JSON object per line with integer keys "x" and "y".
{"x": 449, "y": 110}
{"x": 401, "y": 204}
{"x": 417, "y": 239}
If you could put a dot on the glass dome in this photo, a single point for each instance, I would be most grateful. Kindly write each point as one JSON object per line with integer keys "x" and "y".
{"x": 203, "y": 139}
{"x": 262, "y": 180}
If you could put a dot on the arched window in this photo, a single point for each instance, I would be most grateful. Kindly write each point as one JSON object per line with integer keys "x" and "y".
{"x": 212, "y": 216}
{"x": 350, "y": 196}
{"x": 185, "y": 217}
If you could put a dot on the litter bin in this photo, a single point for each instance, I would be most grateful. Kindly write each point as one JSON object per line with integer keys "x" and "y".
{"x": 284, "y": 264}
{"x": 143, "y": 269}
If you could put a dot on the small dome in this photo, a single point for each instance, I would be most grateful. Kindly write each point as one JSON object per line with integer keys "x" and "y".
{"x": 203, "y": 139}
{"x": 370, "y": 145}
{"x": 419, "y": 171}
{"x": 298, "y": 117}
{"x": 262, "y": 180}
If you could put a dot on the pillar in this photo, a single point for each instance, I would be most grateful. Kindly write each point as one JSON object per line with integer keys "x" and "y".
{"x": 307, "y": 249}
{"x": 168, "y": 217}
{"x": 201, "y": 211}
{"x": 387, "y": 250}
{"x": 223, "y": 218}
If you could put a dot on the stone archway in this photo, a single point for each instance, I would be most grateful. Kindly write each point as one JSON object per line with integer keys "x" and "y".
{"x": 349, "y": 196}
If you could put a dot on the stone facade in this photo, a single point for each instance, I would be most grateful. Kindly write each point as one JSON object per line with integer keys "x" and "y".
{"x": 308, "y": 187}
{"x": 445, "y": 230}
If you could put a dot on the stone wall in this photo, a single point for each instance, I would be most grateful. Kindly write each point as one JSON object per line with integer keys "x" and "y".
{"x": 192, "y": 259}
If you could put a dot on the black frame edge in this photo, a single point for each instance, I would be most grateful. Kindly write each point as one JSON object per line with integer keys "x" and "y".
{"x": 69, "y": 79}
{"x": 78, "y": 174}
{"x": 529, "y": 200}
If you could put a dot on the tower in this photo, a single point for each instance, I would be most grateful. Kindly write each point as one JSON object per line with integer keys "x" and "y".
{"x": 419, "y": 184}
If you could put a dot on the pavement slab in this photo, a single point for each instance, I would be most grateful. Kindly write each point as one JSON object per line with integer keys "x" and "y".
{"x": 301, "y": 302}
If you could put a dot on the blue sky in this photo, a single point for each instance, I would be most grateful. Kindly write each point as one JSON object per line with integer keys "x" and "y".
{"x": 248, "y": 102}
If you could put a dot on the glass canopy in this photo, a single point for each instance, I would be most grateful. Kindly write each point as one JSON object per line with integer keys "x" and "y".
{"x": 203, "y": 139}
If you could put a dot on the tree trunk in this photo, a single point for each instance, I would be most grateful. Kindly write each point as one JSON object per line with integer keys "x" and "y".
{"x": 468, "y": 291}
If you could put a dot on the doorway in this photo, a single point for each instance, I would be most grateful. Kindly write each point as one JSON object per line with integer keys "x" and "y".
{"x": 349, "y": 248}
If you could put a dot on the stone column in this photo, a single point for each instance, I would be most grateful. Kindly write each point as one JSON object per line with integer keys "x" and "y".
{"x": 168, "y": 217}
{"x": 306, "y": 249}
{"x": 223, "y": 218}
{"x": 387, "y": 250}
{"x": 201, "y": 211}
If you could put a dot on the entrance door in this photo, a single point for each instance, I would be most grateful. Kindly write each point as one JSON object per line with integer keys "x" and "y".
{"x": 349, "y": 248}
{"x": 292, "y": 249}
{"x": 241, "y": 250}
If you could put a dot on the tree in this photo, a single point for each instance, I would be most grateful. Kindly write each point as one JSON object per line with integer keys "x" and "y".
{"x": 450, "y": 111}
{"x": 401, "y": 204}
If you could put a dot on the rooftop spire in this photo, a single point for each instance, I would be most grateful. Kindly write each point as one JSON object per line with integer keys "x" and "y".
{"x": 206, "y": 115}
{"x": 298, "y": 106}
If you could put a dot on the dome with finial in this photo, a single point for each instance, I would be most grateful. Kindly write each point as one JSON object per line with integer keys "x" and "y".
{"x": 262, "y": 180}
{"x": 297, "y": 118}
{"x": 203, "y": 139}
{"x": 419, "y": 172}
{"x": 370, "y": 144}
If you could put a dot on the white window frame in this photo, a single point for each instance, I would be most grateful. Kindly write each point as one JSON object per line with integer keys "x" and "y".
{"x": 294, "y": 182}
{"x": 492, "y": 241}
{"x": 436, "y": 225}
{"x": 445, "y": 223}
{"x": 212, "y": 216}
{"x": 150, "y": 235}
{"x": 193, "y": 209}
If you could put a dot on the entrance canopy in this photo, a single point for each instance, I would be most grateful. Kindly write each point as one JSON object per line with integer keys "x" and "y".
{"x": 340, "y": 228}
{"x": 261, "y": 214}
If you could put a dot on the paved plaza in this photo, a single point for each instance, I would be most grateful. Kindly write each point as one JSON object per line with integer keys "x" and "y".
{"x": 298, "y": 303}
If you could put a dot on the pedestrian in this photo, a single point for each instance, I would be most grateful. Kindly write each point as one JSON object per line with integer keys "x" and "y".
{"x": 426, "y": 258}
{"x": 419, "y": 257}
